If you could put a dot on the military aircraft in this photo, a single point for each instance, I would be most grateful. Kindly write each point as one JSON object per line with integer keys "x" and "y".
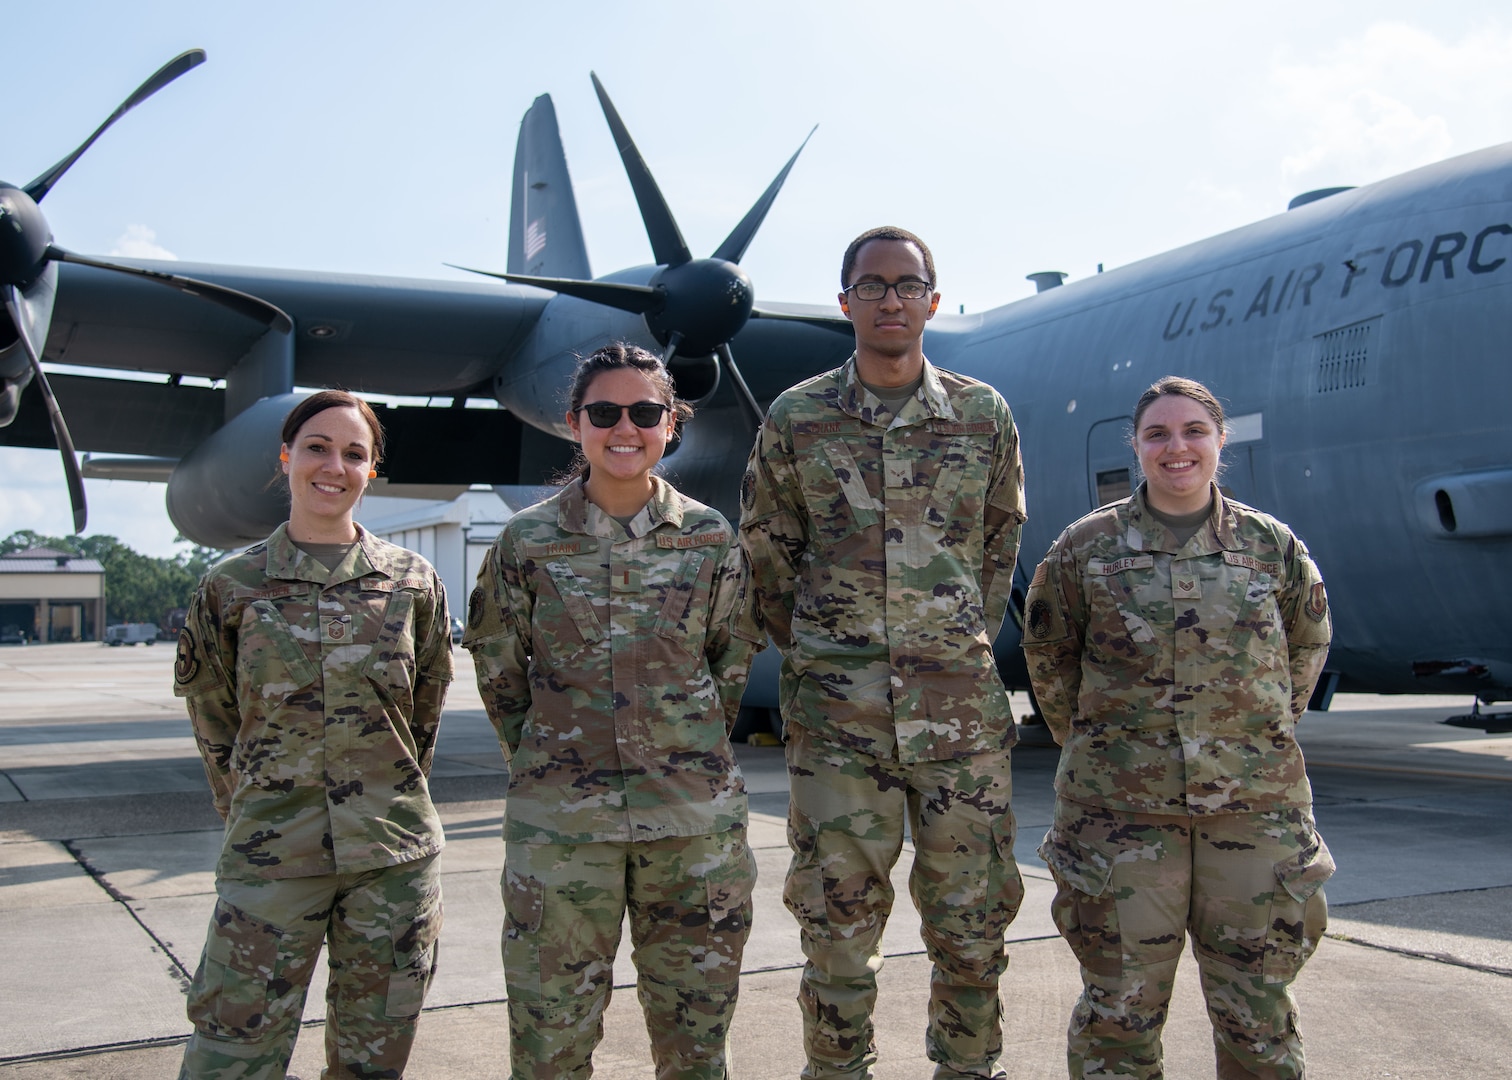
{"x": 1359, "y": 340}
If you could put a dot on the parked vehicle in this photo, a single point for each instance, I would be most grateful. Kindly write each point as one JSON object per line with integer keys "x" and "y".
{"x": 131, "y": 633}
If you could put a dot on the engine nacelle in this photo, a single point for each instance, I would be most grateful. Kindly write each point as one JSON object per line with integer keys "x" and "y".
{"x": 228, "y": 492}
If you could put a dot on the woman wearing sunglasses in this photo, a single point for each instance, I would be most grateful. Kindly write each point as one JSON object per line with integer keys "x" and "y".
{"x": 602, "y": 629}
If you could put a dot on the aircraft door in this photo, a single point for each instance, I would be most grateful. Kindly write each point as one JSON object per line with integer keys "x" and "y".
{"x": 1110, "y": 461}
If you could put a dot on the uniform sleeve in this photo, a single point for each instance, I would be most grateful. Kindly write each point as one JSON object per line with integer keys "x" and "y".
{"x": 1309, "y": 628}
{"x": 1053, "y": 627}
{"x": 203, "y": 676}
{"x": 729, "y": 645}
{"x": 1003, "y": 526}
{"x": 433, "y": 666}
{"x": 773, "y": 530}
{"x": 499, "y": 616}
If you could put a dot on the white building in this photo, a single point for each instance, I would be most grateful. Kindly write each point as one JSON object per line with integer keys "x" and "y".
{"x": 454, "y": 536}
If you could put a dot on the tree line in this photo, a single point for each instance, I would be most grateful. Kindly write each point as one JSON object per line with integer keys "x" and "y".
{"x": 138, "y": 588}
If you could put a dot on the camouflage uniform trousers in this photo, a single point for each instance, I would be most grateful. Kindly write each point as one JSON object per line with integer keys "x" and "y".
{"x": 846, "y": 825}
{"x": 380, "y": 929}
{"x": 689, "y": 902}
{"x": 1247, "y": 887}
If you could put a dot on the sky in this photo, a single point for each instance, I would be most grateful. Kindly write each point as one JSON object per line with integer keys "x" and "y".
{"x": 378, "y": 137}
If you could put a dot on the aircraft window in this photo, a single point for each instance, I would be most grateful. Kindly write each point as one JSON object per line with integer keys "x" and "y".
{"x": 1343, "y": 355}
{"x": 1112, "y": 485}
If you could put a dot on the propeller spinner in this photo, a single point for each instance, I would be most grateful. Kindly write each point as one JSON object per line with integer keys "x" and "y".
{"x": 28, "y": 275}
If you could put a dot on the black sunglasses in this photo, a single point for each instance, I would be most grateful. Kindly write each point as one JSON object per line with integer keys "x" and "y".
{"x": 643, "y": 414}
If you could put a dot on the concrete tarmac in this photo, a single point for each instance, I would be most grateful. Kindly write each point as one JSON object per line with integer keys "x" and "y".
{"x": 108, "y": 841}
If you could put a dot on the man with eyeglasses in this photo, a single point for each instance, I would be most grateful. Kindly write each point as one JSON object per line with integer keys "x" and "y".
{"x": 881, "y": 513}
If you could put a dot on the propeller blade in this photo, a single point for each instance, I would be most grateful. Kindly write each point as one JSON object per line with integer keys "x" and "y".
{"x": 740, "y": 238}
{"x": 667, "y": 243}
{"x": 674, "y": 339}
{"x": 727, "y": 358}
{"x": 837, "y": 323}
{"x": 636, "y": 299}
{"x": 246, "y": 304}
{"x": 14, "y": 303}
{"x": 181, "y": 63}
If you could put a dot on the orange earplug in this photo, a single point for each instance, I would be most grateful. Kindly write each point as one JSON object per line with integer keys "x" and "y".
{"x": 283, "y": 455}
{"x": 372, "y": 473}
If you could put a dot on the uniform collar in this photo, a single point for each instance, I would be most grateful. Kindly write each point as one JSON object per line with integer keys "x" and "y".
{"x": 856, "y": 400}
{"x": 287, "y": 563}
{"x": 1147, "y": 533}
{"x": 575, "y": 514}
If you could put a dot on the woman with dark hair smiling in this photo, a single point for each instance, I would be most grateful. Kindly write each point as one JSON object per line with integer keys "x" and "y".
{"x": 1173, "y": 641}
{"x": 314, "y": 666}
{"x": 603, "y": 630}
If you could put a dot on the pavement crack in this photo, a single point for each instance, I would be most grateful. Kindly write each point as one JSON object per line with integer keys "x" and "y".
{"x": 177, "y": 970}
{"x": 1423, "y": 954}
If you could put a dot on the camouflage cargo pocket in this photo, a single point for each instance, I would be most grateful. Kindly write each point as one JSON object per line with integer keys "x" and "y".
{"x": 241, "y": 989}
{"x": 524, "y": 908}
{"x": 1299, "y": 910}
{"x": 1005, "y": 886}
{"x": 415, "y": 930}
{"x": 1084, "y": 912}
{"x": 730, "y": 911}
{"x": 803, "y": 891}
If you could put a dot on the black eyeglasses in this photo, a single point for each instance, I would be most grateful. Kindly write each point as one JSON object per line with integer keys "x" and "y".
{"x": 643, "y": 414}
{"x": 907, "y": 289}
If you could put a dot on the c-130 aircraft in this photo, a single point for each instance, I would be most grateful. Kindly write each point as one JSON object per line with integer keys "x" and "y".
{"x": 1359, "y": 341}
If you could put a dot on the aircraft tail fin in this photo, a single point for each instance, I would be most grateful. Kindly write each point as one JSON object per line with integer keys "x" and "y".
{"x": 545, "y": 235}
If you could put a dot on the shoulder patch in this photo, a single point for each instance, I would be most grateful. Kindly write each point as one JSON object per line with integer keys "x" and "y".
{"x": 1317, "y": 602}
{"x": 1041, "y": 572}
{"x": 186, "y": 662}
{"x": 1238, "y": 558}
{"x": 664, "y": 540}
{"x": 748, "y": 489}
{"x": 1038, "y": 621}
{"x": 475, "y": 606}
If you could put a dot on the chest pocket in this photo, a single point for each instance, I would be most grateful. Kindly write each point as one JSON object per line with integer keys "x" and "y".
{"x": 946, "y": 467}
{"x": 393, "y": 656}
{"x": 565, "y": 630}
{"x": 271, "y": 665}
{"x": 683, "y": 619}
{"x": 1249, "y": 590}
{"x": 1121, "y": 625}
{"x": 834, "y": 488}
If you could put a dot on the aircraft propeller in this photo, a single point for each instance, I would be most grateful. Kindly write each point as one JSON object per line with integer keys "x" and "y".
{"x": 28, "y": 276}
{"x": 693, "y": 307}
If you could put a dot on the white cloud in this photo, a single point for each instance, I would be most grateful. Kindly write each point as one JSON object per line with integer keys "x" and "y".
{"x": 140, "y": 242}
{"x": 1378, "y": 104}
{"x": 34, "y": 495}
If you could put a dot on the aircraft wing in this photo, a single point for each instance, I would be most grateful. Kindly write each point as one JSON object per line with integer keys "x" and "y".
{"x": 369, "y": 334}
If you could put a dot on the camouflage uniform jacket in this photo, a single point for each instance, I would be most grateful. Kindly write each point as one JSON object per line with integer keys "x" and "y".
{"x": 315, "y": 698}
{"x": 882, "y": 550}
{"x": 1173, "y": 679}
{"x": 607, "y": 663}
